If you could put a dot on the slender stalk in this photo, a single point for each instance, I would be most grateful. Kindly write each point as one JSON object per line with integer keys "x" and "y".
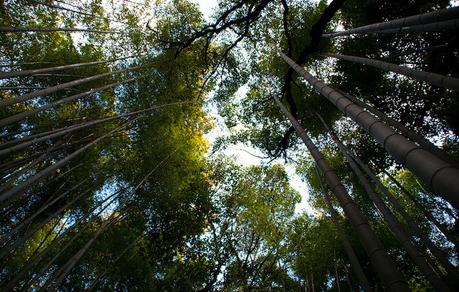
{"x": 47, "y": 236}
{"x": 429, "y": 77}
{"x": 32, "y": 260}
{"x": 11, "y": 179}
{"x": 115, "y": 195}
{"x": 382, "y": 263}
{"x": 53, "y": 29}
{"x": 452, "y": 24}
{"x": 23, "y": 115}
{"x": 336, "y": 271}
{"x": 25, "y": 63}
{"x": 436, "y": 173}
{"x": 58, "y": 87}
{"x": 46, "y": 206}
{"x": 430, "y": 17}
{"x": 12, "y": 166}
{"x": 31, "y": 137}
{"x": 60, "y": 275}
{"x": 20, "y": 87}
{"x": 4, "y": 75}
{"x": 101, "y": 276}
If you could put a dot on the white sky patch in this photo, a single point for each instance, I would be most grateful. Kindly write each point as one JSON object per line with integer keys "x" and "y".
{"x": 207, "y": 7}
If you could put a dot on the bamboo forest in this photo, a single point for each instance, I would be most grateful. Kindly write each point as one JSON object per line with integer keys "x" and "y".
{"x": 229, "y": 145}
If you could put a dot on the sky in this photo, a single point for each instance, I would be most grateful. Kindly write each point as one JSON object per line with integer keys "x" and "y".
{"x": 207, "y": 7}
{"x": 243, "y": 153}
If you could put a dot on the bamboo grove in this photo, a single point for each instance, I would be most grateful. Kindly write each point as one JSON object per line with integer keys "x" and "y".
{"x": 109, "y": 180}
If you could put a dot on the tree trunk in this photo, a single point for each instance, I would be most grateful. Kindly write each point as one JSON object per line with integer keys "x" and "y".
{"x": 37, "y": 275}
{"x": 4, "y": 75}
{"x": 32, "y": 137}
{"x": 58, "y": 87}
{"x": 436, "y": 173}
{"x": 430, "y": 17}
{"x": 23, "y": 115}
{"x": 7, "y": 167}
{"x": 382, "y": 263}
{"x": 432, "y": 78}
{"x": 412, "y": 135}
{"x": 57, "y": 75}
{"x": 13, "y": 174}
{"x": 414, "y": 228}
{"x": 52, "y": 29}
{"x": 394, "y": 226}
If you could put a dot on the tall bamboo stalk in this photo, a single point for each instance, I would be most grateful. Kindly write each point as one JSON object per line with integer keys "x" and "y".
{"x": 420, "y": 19}
{"x": 66, "y": 268}
{"x": 452, "y": 24}
{"x": 4, "y": 75}
{"x": 429, "y": 77}
{"x": 436, "y": 173}
{"x": 101, "y": 276}
{"x": 382, "y": 263}
{"x": 20, "y": 116}
{"x": 55, "y": 29}
{"x": 52, "y": 89}
{"x": 30, "y": 232}
{"x": 29, "y": 219}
